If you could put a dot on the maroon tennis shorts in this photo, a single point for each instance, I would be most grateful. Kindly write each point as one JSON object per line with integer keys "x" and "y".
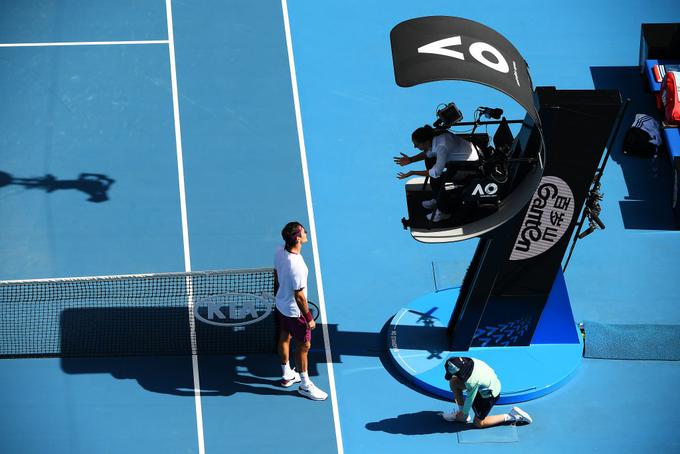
{"x": 296, "y": 326}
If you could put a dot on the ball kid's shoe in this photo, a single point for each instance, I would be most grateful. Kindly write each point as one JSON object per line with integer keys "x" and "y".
{"x": 520, "y": 417}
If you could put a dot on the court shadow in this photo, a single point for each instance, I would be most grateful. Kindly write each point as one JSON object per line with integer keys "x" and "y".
{"x": 648, "y": 181}
{"x": 153, "y": 347}
{"x": 354, "y": 343}
{"x": 95, "y": 185}
{"x": 420, "y": 423}
{"x": 220, "y": 376}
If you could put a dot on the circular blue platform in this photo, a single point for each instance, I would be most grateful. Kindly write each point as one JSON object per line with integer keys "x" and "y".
{"x": 418, "y": 344}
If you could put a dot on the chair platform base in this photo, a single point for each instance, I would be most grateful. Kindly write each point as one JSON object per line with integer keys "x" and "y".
{"x": 417, "y": 345}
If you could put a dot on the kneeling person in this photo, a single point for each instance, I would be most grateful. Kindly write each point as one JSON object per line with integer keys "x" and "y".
{"x": 483, "y": 389}
{"x": 295, "y": 318}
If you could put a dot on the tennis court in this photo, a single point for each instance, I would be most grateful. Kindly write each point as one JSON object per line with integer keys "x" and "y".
{"x": 175, "y": 136}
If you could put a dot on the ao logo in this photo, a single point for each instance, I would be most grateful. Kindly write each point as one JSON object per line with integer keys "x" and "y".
{"x": 476, "y": 49}
{"x": 489, "y": 189}
{"x": 233, "y": 309}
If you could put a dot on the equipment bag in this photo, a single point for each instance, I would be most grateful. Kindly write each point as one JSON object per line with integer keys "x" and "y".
{"x": 642, "y": 138}
{"x": 670, "y": 97}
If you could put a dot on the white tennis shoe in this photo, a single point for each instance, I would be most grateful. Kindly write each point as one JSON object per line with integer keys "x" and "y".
{"x": 312, "y": 392}
{"x": 438, "y": 216}
{"x": 520, "y": 416}
{"x": 451, "y": 417}
{"x": 287, "y": 382}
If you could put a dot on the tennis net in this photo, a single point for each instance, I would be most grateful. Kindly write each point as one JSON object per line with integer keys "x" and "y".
{"x": 211, "y": 312}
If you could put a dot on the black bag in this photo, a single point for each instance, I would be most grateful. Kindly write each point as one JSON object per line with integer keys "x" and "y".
{"x": 638, "y": 142}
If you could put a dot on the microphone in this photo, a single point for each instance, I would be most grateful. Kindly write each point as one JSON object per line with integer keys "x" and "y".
{"x": 491, "y": 113}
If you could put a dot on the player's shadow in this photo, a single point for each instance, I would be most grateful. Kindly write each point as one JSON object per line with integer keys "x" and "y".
{"x": 648, "y": 203}
{"x": 419, "y": 423}
{"x": 95, "y": 185}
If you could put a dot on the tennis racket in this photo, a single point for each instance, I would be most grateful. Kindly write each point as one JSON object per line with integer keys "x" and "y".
{"x": 314, "y": 309}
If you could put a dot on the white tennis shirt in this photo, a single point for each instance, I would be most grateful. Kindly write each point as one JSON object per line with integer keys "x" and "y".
{"x": 449, "y": 147}
{"x": 292, "y": 273}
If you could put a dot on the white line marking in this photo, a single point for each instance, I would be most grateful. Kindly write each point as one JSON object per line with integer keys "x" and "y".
{"x": 117, "y": 277}
{"x": 86, "y": 43}
{"x": 312, "y": 227}
{"x": 185, "y": 229}
{"x": 403, "y": 361}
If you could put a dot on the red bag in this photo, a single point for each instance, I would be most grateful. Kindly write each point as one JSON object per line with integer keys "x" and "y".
{"x": 670, "y": 97}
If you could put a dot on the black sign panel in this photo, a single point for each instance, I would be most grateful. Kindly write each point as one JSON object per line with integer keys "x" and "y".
{"x": 579, "y": 130}
{"x": 515, "y": 274}
{"x": 433, "y": 48}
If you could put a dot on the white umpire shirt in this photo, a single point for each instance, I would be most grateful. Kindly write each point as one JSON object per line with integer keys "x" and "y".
{"x": 449, "y": 147}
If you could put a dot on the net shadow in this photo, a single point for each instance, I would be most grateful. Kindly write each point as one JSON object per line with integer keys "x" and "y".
{"x": 133, "y": 331}
{"x": 162, "y": 364}
{"x": 153, "y": 347}
{"x": 220, "y": 375}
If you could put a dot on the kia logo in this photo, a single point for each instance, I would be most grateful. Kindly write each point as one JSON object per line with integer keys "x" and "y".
{"x": 233, "y": 309}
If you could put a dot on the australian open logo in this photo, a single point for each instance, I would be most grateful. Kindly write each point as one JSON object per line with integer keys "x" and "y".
{"x": 488, "y": 190}
{"x": 549, "y": 216}
{"x": 233, "y": 309}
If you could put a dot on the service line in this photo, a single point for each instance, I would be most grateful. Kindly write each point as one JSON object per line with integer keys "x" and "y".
{"x": 86, "y": 43}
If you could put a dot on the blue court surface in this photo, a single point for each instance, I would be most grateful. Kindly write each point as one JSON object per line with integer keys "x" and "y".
{"x": 208, "y": 135}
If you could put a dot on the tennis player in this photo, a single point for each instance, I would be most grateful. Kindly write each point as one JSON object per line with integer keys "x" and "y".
{"x": 295, "y": 318}
{"x": 483, "y": 389}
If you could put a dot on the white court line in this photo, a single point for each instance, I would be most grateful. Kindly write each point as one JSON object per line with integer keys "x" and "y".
{"x": 403, "y": 361}
{"x": 312, "y": 227}
{"x": 185, "y": 229}
{"x": 85, "y": 43}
